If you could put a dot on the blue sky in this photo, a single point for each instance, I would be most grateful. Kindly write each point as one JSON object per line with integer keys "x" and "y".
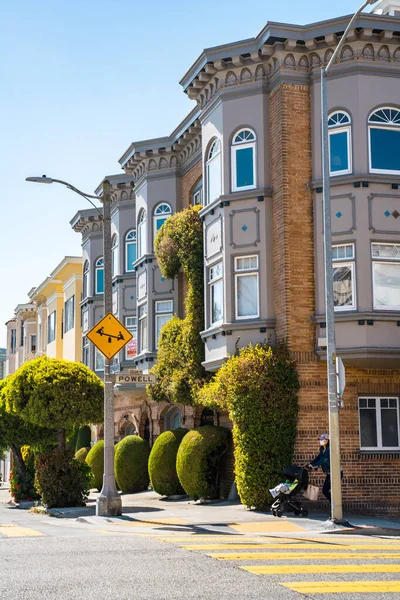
{"x": 80, "y": 81}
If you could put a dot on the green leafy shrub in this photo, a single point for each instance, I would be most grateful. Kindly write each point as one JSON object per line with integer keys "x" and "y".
{"x": 131, "y": 464}
{"x": 259, "y": 386}
{"x": 82, "y": 454}
{"x": 197, "y": 461}
{"x": 162, "y": 463}
{"x": 71, "y": 439}
{"x": 23, "y": 488}
{"x": 62, "y": 481}
{"x": 95, "y": 460}
{"x": 179, "y": 245}
{"x": 83, "y": 438}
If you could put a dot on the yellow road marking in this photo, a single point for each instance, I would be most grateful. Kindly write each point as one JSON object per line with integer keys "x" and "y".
{"x": 18, "y": 531}
{"x": 303, "y": 569}
{"x": 269, "y": 526}
{"x": 278, "y": 546}
{"x": 342, "y": 587}
{"x": 300, "y": 555}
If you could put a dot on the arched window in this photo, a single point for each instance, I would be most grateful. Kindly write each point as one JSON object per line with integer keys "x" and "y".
{"x": 244, "y": 160}
{"x": 130, "y": 249}
{"x": 213, "y": 170}
{"x": 142, "y": 245}
{"x": 85, "y": 283}
{"x": 207, "y": 417}
{"x": 99, "y": 289}
{"x": 173, "y": 419}
{"x": 114, "y": 255}
{"x": 384, "y": 141}
{"x": 339, "y": 125}
{"x": 161, "y": 214}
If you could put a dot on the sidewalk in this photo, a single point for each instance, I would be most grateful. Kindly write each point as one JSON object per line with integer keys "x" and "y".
{"x": 148, "y": 509}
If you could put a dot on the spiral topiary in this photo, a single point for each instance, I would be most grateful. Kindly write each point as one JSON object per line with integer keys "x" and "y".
{"x": 131, "y": 464}
{"x": 197, "y": 461}
{"x": 162, "y": 463}
{"x": 95, "y": 460}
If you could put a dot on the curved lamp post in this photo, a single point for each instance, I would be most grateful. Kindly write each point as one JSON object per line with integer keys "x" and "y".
{"x": 109, "y": 501}
{"x": 336, "y": 486}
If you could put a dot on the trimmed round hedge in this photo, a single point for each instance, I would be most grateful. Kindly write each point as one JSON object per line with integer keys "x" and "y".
{"x": 197, "y": 461}
{"x": 82, "y": 454}
{"x": 95, "y": 460}
{"x": 162, "y": 463}
{"x": 131, "y": 464}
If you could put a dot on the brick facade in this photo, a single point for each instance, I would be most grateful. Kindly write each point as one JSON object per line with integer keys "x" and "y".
{"x": 371, "y": 479}
{"x": 189, "y": 180}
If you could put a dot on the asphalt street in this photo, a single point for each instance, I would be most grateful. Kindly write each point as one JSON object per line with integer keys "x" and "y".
{"x": 91, "y": 558}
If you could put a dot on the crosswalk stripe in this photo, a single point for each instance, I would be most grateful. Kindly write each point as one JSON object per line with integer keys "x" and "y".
{"x": 306, "y": 569}
{"x": 342, "y": 587}
{"x": 18, "y": 531}
{"x": 300, "y": 555}
{"x": 266, "y": 546}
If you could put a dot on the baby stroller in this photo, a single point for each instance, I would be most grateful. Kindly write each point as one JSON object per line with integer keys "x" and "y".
{"x": 287, "y": 495}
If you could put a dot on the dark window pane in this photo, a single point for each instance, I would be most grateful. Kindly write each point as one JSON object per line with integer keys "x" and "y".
{"x": 368, "y": 428}
{"x": 385, "y": 144}
{"x": 390, "y": 433}
{"x": 363, "y": 403}
{"x": 339, "y": 152}
{"x": 244, "y": 167}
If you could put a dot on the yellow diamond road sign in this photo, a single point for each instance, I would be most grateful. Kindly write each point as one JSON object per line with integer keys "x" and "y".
{"x": 109, "y": 336}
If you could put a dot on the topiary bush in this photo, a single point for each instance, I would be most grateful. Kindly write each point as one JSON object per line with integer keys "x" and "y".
{"x": 62, "y": 481}
{"x": 197, "y": 461}
{"x": 95, "y": 460}
{"x": 131, "y": 464}
{"x": 162, "y": 463}
{"x": 82, "y": 454}
{"x": 259, "y": 386}
{"x": 84, "y": 437}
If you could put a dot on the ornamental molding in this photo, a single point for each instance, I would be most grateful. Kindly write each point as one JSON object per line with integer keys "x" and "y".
{"x": 392, "y": 214}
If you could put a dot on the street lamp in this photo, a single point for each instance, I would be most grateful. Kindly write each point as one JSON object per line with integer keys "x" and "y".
{"x": 336, "y": 488}
{"x": 108, "y": 503}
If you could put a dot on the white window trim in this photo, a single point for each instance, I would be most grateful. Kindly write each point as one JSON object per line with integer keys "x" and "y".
{"x": 98, "y": 353}
{"x": 86, "y": 280}
{"x": 115, "y": 256}
{"x": 377, "y": 126}
{"x": 140, "y": 319}
{"x": 160, "y": 216}
{"x": 208, "y": 162}
{"x": 96, "y": 271}
{"x": 382, "y": 262}
{"x": 337, "y": 264}
{"x": 210, "y": 284}
{"x": 71, "y": 300}
{"x": 334, "y": 131}
{"x": 234, "y": 149}
{"x": 142, "y": 235}
{"x": 161, "y": 313}
{"x": 244, "y": 273}
{"x": 133, "y": 329}
{"x": 379, "y": 447}
{"x": 128, "y": 243}
{"x": 84, "y": 312}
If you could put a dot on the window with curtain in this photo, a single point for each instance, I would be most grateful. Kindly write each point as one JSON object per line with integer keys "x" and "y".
{"x": 142, "y": 244}
{"x": 114, "y": 255}
{"x": 99, "y": 276}
{"x": 161, "y": 214}
{"x": 386, "y": 276}
{"x": 384, "y": 141}
{"x": 246, "y": 287}
{"x": 243, "y": 160}
{"x": 213, "y": 171}
{"x": 340, "y": 159}
{"x": 130, "y": 250}
{"x": 344, "y": 284}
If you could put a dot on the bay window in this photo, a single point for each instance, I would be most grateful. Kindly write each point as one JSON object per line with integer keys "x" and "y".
{"x": 85, "y": 282}
{"x": 130, "y": 250}
{"x": 344, "y": 284}
{"x": 143, "y": 327}
{"x": 246, "y": 287}
{"x": 142, "y": 232}
{"x": 213, "y": 172}
{"x": 216, "y": 293}
{"x": 99, "y": 276}
{"x": 163, "y": 310}
{"x": 114, "y": 255}
{"x": 161, "y": 214}
{"x": 386, "y": 276}
{"x": 244, "y": 160}
{"x": 131, "y": 346}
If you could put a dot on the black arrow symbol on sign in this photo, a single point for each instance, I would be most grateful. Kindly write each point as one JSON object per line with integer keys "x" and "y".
{"x": 109, "y": 335}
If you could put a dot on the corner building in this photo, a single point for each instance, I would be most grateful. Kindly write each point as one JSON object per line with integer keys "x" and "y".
{"x": 250, "y": 152}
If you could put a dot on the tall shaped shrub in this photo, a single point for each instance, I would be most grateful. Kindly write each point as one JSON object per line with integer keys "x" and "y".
{"x": 259, "y": 386}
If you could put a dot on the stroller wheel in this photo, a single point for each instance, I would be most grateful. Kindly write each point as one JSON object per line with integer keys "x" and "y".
{"x": 279, "y": 513}
{"x": 273, "y": 512}
{"x": 304, "y": 512}
{"x": 297, "y": 512}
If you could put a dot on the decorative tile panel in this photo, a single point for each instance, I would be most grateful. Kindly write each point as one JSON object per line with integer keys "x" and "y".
{"x": 384, "y": 213}
{"x": 160, "y": 285}
{"x": 214, "y": 241}
{"x": 244, "y": 228}
{"x": 343, "y": 214}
